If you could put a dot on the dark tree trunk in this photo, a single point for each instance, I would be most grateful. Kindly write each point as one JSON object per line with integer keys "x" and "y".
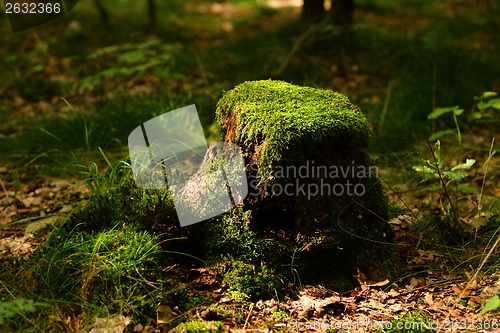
{"x": 152, "y": 15}
{"x": 103, "y": 14}
{"x": 313, "y": 10}
{"x": 342, "y": 12}
{"x": 342, "y": 15}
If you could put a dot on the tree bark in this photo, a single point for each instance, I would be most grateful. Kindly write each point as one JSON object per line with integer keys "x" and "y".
{"x": 342, "y": 12}
{"x": 313, "y": 10}
{"x": 152, "y": 15}
{"x": 103, "y": 13}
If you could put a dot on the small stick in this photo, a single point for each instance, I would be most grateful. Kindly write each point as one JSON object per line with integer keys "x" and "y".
{"x": 479, "y": 197}
{"x": 5, "y": 191}
{"x": 386, "y": 106}
{"x": 248, "y": 317}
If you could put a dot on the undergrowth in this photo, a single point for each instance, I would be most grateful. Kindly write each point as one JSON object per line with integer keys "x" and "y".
{"x": 114, "y": 255}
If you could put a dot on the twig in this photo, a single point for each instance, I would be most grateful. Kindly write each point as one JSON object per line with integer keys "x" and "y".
{"x": 487, "y": 163}
{"x": 474, "y": 277}
{"x": 5, "y": 190}
{"x": 399, "y": 197}
{"x": 248, "y": 316}
{"x": 386, "y": 106}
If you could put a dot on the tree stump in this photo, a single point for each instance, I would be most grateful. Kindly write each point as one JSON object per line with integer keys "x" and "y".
{"x": 311, "y": 181}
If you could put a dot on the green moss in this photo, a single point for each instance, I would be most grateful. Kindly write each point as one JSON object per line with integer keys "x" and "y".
{"x": 282, "y": 315}
{"x": 229, "y": 237}
{"x": 247, "y": 282}
{"x": 198, "y": 326}
{"x": 289, "y": 119}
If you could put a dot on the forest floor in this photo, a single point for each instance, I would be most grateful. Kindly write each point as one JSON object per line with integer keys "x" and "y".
{"x": 444, "y": 288}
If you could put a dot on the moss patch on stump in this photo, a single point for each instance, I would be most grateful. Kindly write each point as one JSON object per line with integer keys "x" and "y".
{"x": 310, "y": 177}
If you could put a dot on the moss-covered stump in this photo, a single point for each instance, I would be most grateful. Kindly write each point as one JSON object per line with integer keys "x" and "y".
{"x": 310, "y": 176}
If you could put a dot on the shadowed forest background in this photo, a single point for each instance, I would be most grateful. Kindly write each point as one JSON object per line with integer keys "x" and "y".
{"x": 80, "y": 243}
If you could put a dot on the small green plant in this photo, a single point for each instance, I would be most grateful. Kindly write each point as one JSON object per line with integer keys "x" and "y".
{"x": 293, "y": 269}
{"x": 435, "y": 168}
{"x": 115, "y": 268}
{"x": 485, "y": 107}
{"x": 438, "y": 112}
{"x": 130, "y": 60}
{"x": 240, "y": 318}
{"x": 15, "y": 308}
{"x": 492, "y": 304}
{"x": 483, "y": 110}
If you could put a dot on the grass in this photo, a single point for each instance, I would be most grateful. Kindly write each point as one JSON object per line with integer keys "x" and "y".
{"x": 91, "y": 275}
{"x": 426, "y": 74}
{"x": 119, "y": 251}
{"x": 117, "y": 254}
{"x": 104, "y": 260}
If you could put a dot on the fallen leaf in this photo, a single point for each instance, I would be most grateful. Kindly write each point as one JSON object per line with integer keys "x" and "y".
{"x": 378, "y": 284}
{"x": 164, "y": 314}
{"x": 462, "y": 293}
{"x": 417, "y": 282}
{"x": 115, "y": 324}
{"x": 428, "y": 299}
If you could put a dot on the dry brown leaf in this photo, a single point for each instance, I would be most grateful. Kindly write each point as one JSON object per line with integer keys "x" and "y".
{"x": 378, "y": 284}
{"x": 165, "y": 314}
{"x": 15, "y": 246}
{"x": 398, "y": 307}
{"x": 417, "y": 282}
{"x": 148, "y": 329}
{"x": 428, "y": 299}
{"x": 115, "y": 324}
{"x": 459, "y": 292}
{"x": 473, "y": 285}
{"x": 393, "y": 293}
{"x": 374, "y": 304}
